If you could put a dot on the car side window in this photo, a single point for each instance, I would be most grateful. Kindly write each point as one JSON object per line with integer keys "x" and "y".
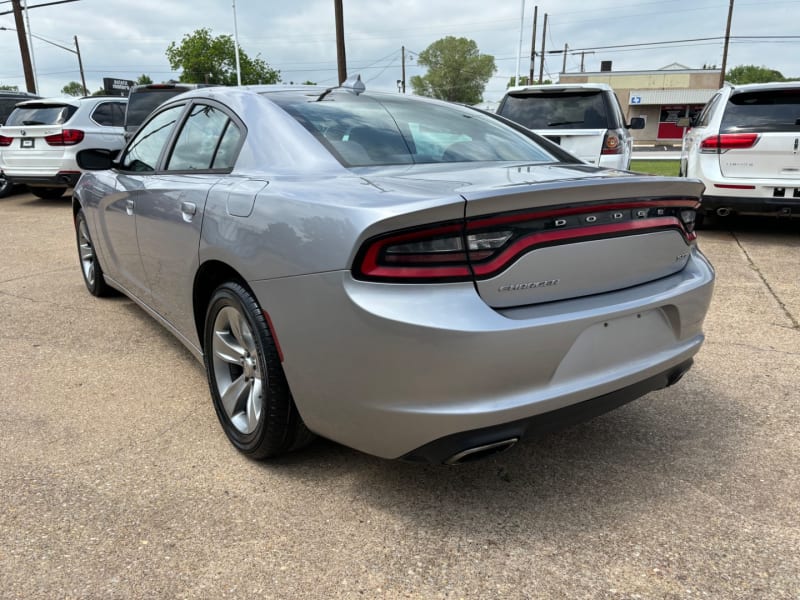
{"x": 705, "y": 116}
{"x": 229, "y": 144}
{"x": 109, "y": 114}
{"x": 199, "y": 139}
{"x": 146, "y": 146}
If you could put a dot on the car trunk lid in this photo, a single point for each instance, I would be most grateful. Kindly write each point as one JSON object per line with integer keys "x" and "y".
{"x": 540, "y": 233}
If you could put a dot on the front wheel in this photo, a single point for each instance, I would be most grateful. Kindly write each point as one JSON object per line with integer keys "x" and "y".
{"x": 249, "y": 389}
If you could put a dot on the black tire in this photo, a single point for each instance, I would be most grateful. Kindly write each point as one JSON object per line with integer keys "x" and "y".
{"x": 246, "y": 379}
{"x": 46, "y": 193}
{"x": 90, "y": 266}
{"x": 6, "y": 187}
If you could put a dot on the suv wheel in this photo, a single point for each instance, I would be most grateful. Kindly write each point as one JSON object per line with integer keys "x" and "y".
{"x": 47, "y": 193}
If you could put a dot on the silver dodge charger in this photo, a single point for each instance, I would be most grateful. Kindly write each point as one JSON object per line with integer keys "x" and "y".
{"x": 408, "y": 277}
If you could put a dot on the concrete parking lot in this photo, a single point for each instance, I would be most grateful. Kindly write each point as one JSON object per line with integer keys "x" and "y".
{"x": 116, "y": 480}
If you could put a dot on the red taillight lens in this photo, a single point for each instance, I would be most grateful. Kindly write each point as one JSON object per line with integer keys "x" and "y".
{"x": 729, "y": 141}
{"x": 5, "y": 141}
{"x": 612, "y": 143}
{"x": 483, "y": 247}
{"x": 68, "y": 137}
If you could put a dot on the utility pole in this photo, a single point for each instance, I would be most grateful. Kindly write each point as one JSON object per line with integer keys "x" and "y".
{"x": 544, "y": 39}
{"x": 583, "y": 57}
{"x": 725, "y": 50}
{"x": 27, "y": 67}
{"x": 80, "y": 66}
{"x": 564, "y": 64}
{"x": 341, "y": 59}
{"x": 403, "y": 75}
{"x": 533, "y": 46}
{"x": 519, "y": 46}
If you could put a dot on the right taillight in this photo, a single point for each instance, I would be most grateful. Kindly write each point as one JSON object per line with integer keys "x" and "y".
{"x": 68, "y": 137}
{"x": 728, "y": 141}
{"x": 5, "y": 141}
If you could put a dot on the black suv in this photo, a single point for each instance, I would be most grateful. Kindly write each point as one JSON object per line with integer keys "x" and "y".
{"x": 143, "y": 99}
{"x": 8, "y": 100}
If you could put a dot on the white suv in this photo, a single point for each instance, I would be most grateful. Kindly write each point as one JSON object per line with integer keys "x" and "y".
{"x": 745, "y": 147}
{"x": 585, "y": 119}
{"x": 41, "y": 138}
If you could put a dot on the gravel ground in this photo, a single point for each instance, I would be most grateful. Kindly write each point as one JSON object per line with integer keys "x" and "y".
{"x": 117, "y": 481}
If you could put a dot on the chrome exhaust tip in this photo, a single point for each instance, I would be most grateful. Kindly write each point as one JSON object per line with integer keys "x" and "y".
{"x": 723, "y": 212}
{"x": 479, "y": 452}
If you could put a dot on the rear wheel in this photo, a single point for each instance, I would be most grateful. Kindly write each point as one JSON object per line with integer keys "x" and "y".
{"x": 47, "y": 193}
{"x": 246, "y": 379}
{"x": 5, "y": 187}
{"x": 90, "y": 266}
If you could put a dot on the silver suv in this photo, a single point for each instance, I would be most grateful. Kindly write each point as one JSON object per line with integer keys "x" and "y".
{"x": 745, "y": 147}
{"x": 40, "y": 139}
{"x": 585, "y": 119}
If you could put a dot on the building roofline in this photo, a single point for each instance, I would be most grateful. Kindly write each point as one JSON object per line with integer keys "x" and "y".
{"x": 647, "y": 72}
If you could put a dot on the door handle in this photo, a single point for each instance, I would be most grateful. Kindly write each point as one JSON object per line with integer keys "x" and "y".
{"x": 129, "y": 204}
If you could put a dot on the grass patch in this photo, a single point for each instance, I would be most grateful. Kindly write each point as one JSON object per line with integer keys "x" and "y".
{"x": 656, "y": 167}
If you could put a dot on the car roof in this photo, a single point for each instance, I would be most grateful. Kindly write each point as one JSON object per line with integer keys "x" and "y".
{"x": 76, "y": 102}
{"x": 561, "y": 87}
{"x": 773, "y": 85}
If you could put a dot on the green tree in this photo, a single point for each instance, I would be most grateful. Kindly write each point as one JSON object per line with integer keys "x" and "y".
{"x": 143, "y": 79}
{"x": 752, "y": 74}
{"x": 73, "y": 88}
{"x": 524, "y": 81}
{"x": 206, "y": 59}
{"x": 9, "y": 88}
{"x": 457, "y": 71}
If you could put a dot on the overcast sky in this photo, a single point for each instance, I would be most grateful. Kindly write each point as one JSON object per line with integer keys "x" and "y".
{"x": 124, "y": 38}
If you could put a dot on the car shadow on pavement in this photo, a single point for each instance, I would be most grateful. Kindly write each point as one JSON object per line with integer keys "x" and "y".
{"x": 654, "y": 449}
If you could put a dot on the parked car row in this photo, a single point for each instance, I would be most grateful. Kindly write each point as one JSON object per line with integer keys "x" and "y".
{"x": 40, "y": 138}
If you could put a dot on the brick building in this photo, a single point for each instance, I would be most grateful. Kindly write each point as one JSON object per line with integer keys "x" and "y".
{"x": 660, "y": 96}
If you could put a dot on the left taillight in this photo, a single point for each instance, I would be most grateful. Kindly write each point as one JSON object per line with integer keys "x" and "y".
{"x": 612, "y": 143}
{"x": 728, "y": 141}
{"x": 5, "y": 141}
{"x": 68, "y": 137}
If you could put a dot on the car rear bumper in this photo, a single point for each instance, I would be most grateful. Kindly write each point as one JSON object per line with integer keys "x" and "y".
{"x": 392, "y": 368}
{"x": 64, "y": 179}
{"x": 769, "y": 206}
{"x": 469, "y": 445}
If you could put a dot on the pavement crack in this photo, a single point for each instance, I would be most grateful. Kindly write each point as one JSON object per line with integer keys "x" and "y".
{"x": 784, "y": 308}
{"x": 29, "y": 275}
{"x": 753, "y": 346}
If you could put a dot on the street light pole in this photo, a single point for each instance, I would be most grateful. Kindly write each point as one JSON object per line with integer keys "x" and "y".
{"x": 236, "y": 46}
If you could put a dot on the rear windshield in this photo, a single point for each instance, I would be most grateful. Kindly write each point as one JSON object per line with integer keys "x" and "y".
{"x": 557, "y": 110}
{"x": 772, "y": 110}
{"x": 41, "y": 114}
{"x": 365, "y": 131}
{"x": 141, "y": 103}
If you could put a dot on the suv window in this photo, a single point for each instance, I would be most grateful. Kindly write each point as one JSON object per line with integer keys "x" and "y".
{"x": 557, "y": 110}
{"x": 705, "y": 115}
{"x": 766, "y": 110}
{"x": 145, "y": 148}
{"x": 8, "y": 100}
{"x": 109, "y": 114}
{"x": 41, "y": 114}
{"x": 198, "y": 143}
{"x": 144, "y": 99}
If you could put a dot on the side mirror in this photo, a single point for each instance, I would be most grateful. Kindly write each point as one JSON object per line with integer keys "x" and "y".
{"x": 685, "y": 122}
{"x": 97, "y": 159}
{"x": 636, "y": 123}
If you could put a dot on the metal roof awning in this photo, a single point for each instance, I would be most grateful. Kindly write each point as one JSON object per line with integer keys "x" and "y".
{"x": 658, "y": 97}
